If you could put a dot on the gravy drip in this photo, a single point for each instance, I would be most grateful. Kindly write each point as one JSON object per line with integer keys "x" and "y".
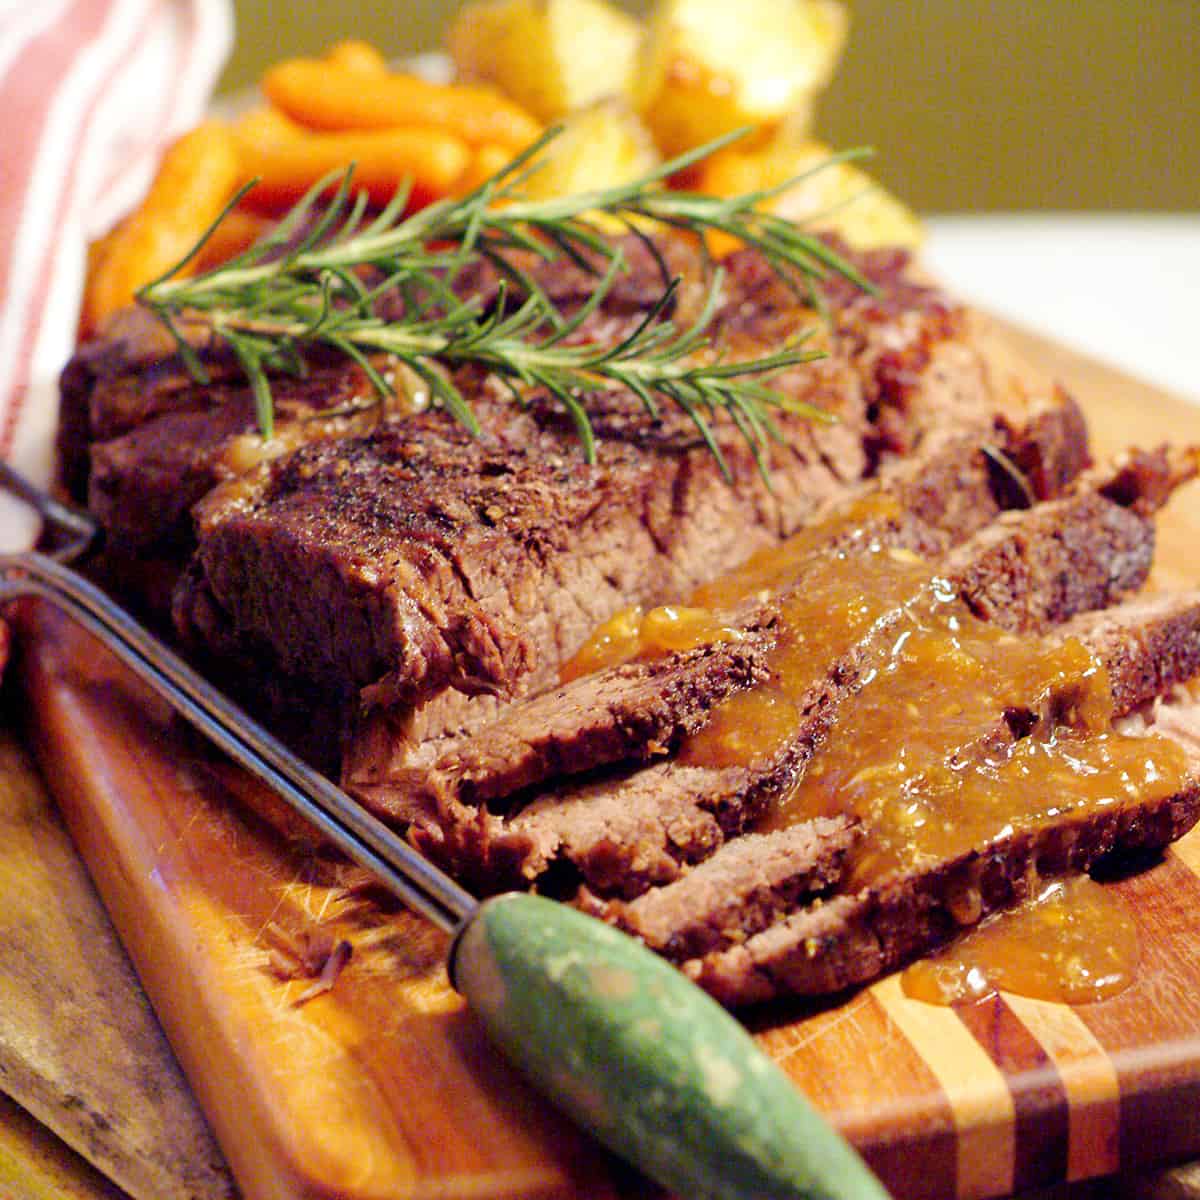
{"x": 1074, "y": 943}
{"x": 817, "y": 555}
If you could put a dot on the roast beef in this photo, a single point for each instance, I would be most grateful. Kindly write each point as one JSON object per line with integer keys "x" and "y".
{"x": 752, "y": 882}
{"x": 925, "y": 503}
{"x": 145, "y": 479}
{"x": 393, "y": 567}
{"x": 1026, "y": 571}
{"x": 1147, "y": 647}
{"x": 852, "y": 938}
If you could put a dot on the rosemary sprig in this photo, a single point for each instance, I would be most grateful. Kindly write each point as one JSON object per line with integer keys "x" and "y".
{"x": 304, "y": 284}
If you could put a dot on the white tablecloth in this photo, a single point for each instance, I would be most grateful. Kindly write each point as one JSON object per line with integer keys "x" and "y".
{"x": 1122, "y": 288}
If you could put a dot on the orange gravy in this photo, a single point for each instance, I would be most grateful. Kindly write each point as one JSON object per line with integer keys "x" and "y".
{"x": 1074, "y": 943}
{"x": 843, "y": 595}
{"x": 635, "y": 633}
{"x": 924, "y": 760}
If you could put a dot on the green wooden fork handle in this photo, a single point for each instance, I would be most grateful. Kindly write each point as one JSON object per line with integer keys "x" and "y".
{"x": 640, "y": 1056}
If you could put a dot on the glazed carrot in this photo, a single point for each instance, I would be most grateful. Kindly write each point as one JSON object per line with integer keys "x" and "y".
{"x": 729, "y": 172}
{"x": 197, "y": 177}
{"x": 265, "y": 126}
{"x": 356, "y": 56}
{"x": 383, "y": 159}
{"x": 325, "y": 97}
{"x": 98, "y": 252}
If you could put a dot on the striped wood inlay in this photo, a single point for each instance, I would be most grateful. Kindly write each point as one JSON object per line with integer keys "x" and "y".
{"x": 856, "y": 1066}
{"x": 1151, "y": 1031}
{"x": 1040, "y": 1102}
{"x": 1088, "y": 1078}
{"x": 979, "y": 1095}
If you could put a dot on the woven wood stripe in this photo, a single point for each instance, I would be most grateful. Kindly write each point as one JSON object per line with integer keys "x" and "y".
{"x": 1039, "y": 1099}
{"x": 1152, "y": 1030}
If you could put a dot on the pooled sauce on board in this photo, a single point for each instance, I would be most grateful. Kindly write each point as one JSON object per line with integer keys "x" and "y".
{"x": 960, "y": 733}
{"x": 1074, "y": 943}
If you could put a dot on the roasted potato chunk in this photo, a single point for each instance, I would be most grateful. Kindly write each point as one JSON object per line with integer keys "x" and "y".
{"x": 599, "y": 146}
{"x": 708, "y": 66}
{"x": 837, "y": 196}
{"x": 551, "y": 56}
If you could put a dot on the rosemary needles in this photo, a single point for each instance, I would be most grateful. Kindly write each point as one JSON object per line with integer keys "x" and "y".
{"x": 321, "y": 276}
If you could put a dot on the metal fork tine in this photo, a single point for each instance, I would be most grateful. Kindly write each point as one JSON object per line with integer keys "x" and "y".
{"x": 79, "y": 527}
{"x": 348, "y": 825}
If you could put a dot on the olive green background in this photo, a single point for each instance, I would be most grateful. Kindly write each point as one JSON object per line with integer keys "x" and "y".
{"x": 969, "y": 105}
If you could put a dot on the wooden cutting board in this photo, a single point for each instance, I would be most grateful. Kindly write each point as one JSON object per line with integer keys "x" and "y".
{"x": 383, "y": 1086}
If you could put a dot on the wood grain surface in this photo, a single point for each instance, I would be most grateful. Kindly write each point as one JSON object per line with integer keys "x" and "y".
{"x": 383, "y": 1086}
{"x": 79, "y": 1045}
{"x": 36, "y": 1165}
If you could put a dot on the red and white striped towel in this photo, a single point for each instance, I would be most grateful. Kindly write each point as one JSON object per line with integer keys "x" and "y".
{"x": 91, "y": 92}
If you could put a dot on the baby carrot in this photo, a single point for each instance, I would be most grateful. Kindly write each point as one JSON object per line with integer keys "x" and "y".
{"x": 326, "y": 97}
{"x": 485, "y": 162}
{"x": 356, "y": 56}
{"x": 197, "y": 177}
{"x": 259, "y": 126}
{"x": 383, "y": 159}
